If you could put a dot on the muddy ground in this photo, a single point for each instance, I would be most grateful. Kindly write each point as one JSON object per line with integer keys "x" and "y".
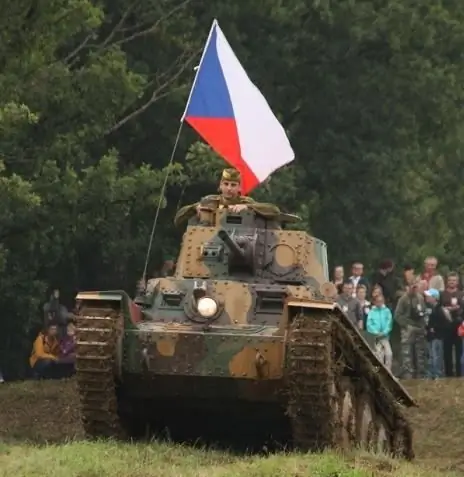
{"x": 48, "y": 412}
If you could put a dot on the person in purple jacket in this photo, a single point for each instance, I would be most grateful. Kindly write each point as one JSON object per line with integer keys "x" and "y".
{"x": 68, "y": 348}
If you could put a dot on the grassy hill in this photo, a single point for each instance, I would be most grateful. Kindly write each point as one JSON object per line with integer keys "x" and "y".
{"x": 40, "y": 434}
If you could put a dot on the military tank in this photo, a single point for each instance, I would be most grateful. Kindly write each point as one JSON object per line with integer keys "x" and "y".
{"x": 246, "y": 324}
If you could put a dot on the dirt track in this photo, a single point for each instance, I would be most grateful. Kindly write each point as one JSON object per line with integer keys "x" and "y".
{"x": 39, "y": 411}
{"x": 48, "y": 412}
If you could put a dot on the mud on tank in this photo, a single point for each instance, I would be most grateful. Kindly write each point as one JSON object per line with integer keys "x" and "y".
{"x": 246, "y": 328}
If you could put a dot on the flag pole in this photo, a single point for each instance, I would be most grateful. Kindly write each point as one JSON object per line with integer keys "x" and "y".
{"x": 208, "y": 40}
{"x": 160, "y": 200}
{"x": 174, "y": 149}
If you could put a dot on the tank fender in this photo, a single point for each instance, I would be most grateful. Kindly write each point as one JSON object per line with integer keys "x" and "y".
{"x": 129, "y": 314}
{"x": 294, "y": 304}
{"x": 131, "y": 311}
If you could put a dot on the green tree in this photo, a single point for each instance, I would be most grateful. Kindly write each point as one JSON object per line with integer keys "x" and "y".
{"x": 91, "y": 95}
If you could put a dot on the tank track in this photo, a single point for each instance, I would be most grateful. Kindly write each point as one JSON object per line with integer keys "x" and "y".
{"x": 337, "y": 398}
{"x": 97, "y": 334}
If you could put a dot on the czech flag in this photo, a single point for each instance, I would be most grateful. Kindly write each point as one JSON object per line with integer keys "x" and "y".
{"x": 233, "y": 117}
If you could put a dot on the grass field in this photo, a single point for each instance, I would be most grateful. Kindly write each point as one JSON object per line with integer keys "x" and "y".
{"x": 40, "y": 435}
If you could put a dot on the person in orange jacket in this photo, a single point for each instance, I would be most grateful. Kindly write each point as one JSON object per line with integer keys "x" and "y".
{"x": 45, "y": 352}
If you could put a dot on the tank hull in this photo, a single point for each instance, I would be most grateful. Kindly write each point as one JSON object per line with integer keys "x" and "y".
{"x": 316, "y": 377}
{"x": 244, "y": 353}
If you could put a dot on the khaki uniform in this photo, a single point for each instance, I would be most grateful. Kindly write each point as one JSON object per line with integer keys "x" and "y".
{"x": 267, "y": 210}
{"x": 214, "y": 202}
{"x": 410, "y": 315}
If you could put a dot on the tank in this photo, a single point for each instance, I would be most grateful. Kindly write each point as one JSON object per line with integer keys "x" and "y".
{"x": 246, "y": 330}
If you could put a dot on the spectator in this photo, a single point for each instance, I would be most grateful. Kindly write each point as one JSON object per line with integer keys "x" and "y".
{"x": 379, "y": 324}
{"x": 45, "y": 352}
{"x": 357, "y": 277}
{"x": 437, "y": 323}
{"x": 339, "y": 278}
{"x": 68, "y": 346}
{"x": 452, "y": 302}
{"x": 407, "y": 280}
{"x": 431, "y": 275}
{"x": 361, "y": 293}
{"x": 56, "y": 313}
{"x": 350, "y": 305}
{"x": 408, "y": 275}
{"x": 385, "y": 278}
{"x": 410, "y": 316}
{"x": 376, "y": 290}
{"x": 422, "y": 285}
{"x": 461, "y": 335}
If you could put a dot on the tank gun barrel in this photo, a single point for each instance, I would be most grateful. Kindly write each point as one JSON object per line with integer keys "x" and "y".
{"x": 231, "y": 244}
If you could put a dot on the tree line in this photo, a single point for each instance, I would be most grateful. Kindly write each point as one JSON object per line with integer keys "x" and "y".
{"x": 91, "y": 98}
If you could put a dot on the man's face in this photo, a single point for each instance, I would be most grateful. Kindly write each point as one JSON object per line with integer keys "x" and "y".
{"x": 52, "y": 330}
{"x": 430, "y": 265}
{"x": 409, "y": 275}
{"x": 357, "y": 269}
{"x": 347, "y": 289}
{"x": 229, "y": 189}
{"x": 422, "y": 286}
{"x": 56, "y": 293}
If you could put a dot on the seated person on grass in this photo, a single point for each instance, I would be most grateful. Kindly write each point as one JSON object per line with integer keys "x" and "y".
{"x": 45, "y": 357}
{"x": 68, "y": 348}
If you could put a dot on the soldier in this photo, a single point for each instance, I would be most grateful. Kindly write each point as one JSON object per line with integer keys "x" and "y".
{"x": 230, "y": 197}
{"x": 410, "y": 314}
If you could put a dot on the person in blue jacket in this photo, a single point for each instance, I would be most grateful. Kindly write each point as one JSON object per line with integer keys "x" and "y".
{"x": 379, "y": 323}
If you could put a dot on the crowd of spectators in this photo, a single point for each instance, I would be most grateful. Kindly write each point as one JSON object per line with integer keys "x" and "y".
{"x": 414, "y": 321}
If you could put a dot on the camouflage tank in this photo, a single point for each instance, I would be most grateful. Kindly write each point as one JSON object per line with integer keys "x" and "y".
{"x": 247, "y": 321}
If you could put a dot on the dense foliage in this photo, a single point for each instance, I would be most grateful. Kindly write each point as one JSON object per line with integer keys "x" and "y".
{"x": 91, "y": 94}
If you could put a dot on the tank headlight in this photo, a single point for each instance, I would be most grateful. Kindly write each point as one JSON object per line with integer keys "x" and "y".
{"x": 207, "y": 307}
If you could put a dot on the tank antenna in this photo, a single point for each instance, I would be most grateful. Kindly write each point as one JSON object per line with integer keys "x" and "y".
{"x": 163, "y": 188}
{"x": 196, "y": 69}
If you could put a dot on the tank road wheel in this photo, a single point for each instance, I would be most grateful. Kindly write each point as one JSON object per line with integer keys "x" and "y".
{"x": 347, "y": 414}
{"x": 365, "y": 429}
{"x": 402, "y": 442}
{"x": 97, "y": 333}
{"x": 312, "y": 406}
{"x": 382, "y": 438}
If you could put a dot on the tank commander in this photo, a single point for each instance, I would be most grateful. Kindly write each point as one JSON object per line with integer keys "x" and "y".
{"x": 229, "y": 197}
